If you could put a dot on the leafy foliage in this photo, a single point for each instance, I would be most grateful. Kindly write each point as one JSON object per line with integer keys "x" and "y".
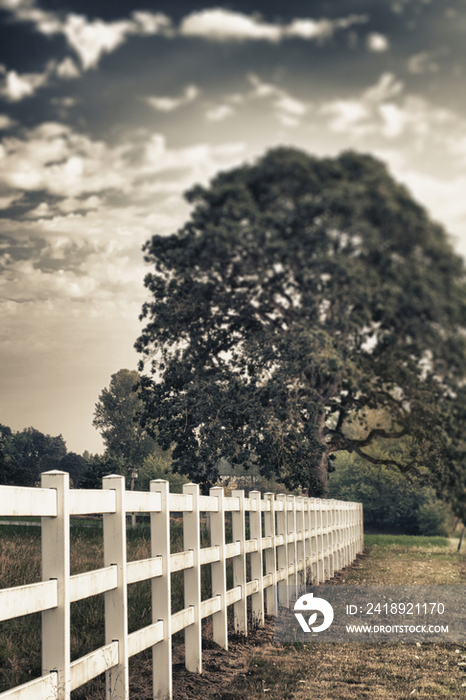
{"x": 128, "y": 446}
{"x": 27, "y": 453}
{"x": 391, "y": 502}
{"x": 158, "y": 466}
{"x": 116, "y": 413}
{"x": 99, "y": 466}
{"x": 300, "y": 293}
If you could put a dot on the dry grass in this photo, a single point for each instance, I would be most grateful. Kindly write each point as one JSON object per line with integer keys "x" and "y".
{"x": 357, "y": 670}
{"x": 257, "y": 667}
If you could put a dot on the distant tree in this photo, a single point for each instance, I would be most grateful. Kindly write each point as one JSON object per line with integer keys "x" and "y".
{"x": 75, "y": 465}
{"x": 158, "y": 466}
{"x": 27, "y": 454}
{"x": 392, "y": 503}
{"x": 116, "y": 416}
{"x": 99, "y": 466}
{"x": 5, "y": 432}
{"x": 300, "y": 293}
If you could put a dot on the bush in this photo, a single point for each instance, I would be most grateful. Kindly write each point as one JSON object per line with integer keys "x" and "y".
{"x": 391, "y": 501}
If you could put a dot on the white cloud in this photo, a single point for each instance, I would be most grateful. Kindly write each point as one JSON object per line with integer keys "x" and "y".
{"x": 89, "y": 39}
{"x": 168, "y": 104}
{"x": 377, "y": 42}
{"x": 15, "y": 87}
{"x": 152, "y": 23}
{"x": 54, "y": 158}
{"x": 383, "y": 110}
{"x": 6, "y": 122}
{"x": 80, "y": 171}
{"x": 422, "y": 63}
{"x": 287, "y": 109}
{"x": 386, "y": 88}
{"x": 68, "y": 69}
{"x": 7, "y": 201}
{"x": 219, "y": 113}
{"x": 321, "y": 28}
{"x": 219, "y": 24}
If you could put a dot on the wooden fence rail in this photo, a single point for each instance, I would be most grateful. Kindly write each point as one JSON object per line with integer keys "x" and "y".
{"x": 292, "y": 539}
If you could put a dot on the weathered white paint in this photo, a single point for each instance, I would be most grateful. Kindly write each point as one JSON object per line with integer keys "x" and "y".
{"x": 43, "y": 688}
{"x": 232, "y": 549}
{"x": 182, "y": 619}
{"x": 208, "y": 555}
{"x": 181, "y": 560}
{"x": 161, "y": 592}
{"x": 24, "y": 600}
{"x": 21, "y": 501}
{"x": 93, "y": 664}
{"x": 219, "y": 574}
{"x": 211, "y": 606}
{"x": 282, "y": 549}
{"x": 291, "y": 539}
{"x": 255, "y": 527}
{"x": 239, "y": 564}
{"x": 144, "y": 569}
{"x": 116, "y": 601}
{"x": 92, "y": 583}
{"x": 88, "y": 501}
{"x": 142, "y": 501}
{"x": 181, "y": 502}
{"x": 56, "y": 565}
{"x": 192, "y": 581}
{"x": 145, "y": 638}
{"x": 270, "y": 559}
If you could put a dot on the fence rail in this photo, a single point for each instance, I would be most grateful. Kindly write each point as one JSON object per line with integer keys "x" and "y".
{"x": 292, "y": 539}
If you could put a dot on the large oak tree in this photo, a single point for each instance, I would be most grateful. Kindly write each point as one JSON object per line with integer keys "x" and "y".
{"x": 302, "y": 295}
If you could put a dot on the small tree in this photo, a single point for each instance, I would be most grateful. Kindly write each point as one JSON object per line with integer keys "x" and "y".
{"x": 116, "y": 416}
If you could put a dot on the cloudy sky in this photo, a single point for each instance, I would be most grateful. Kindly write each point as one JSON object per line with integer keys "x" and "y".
{"x": 109, "y": 111}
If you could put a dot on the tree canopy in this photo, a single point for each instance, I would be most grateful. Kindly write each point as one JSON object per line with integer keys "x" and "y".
{"x": 27, "y": 453}
{"x": 129, "y": 448}
{"x": 301, "y": 294}
{"x": 115, "y": 415}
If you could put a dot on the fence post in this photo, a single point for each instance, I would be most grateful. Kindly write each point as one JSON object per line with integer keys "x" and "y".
{"x": 313, "y": 541}
{"x": 219, "y": 574}
{"x": 239, "y": 565}
{"x": 161, "y": 592}
{"x": 116, "y": 606}
{"x": 331, "y": 505}
{"x": 291, "y": 530}
{"x": 192, "y": 582}
{"x": 307, "y": 552}
{"x": 282, "y": 553}
{"x": 255, "y": 524}
{"x": 319, "y": 540}
{"x": 300, "y": 544}
{"x": 325, "y": 537}
{"x": 347, "y": 536}
{"x": 361, "y": 528}
{"x": 270, "y": 555}
{"x": 56, "y": 565}
{"x": 337, "y": 547}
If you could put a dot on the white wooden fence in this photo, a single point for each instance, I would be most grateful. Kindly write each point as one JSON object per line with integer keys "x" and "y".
{"x": 292, "y": 539}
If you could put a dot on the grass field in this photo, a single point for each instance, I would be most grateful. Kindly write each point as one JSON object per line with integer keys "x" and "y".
{"x": 20, "y": 564}
{"x": 362, "y": 670}
{"x": 320, "y": 671}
